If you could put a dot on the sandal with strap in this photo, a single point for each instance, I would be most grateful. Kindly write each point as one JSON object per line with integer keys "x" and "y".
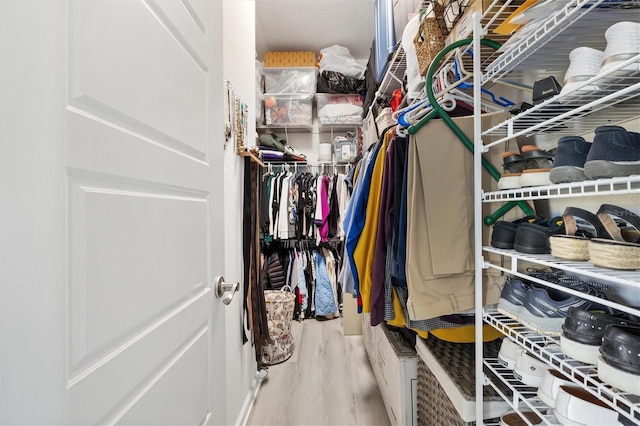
{"x": 574, "y": 245}
{"x": 538, "y": 164}
{"x": 622, "y": 251}
{"x": 513, "y": 165}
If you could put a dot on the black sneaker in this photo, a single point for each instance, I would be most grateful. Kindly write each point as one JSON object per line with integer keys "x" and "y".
{"x": 619, "y": 362}
{"x": 615, "y": 152}
{"x": 568, "y": 162}
{"x": 582, "y": 332}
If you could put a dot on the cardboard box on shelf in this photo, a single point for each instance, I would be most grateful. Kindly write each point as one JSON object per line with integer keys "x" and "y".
{"x": 463, "y": 28}
{"x": 290, "y": 59}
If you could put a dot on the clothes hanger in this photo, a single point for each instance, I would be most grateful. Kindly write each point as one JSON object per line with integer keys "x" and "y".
{"x": 459, "y": 71}
{"x": 438, "y": 111}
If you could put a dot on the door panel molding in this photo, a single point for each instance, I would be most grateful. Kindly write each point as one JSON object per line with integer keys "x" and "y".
{"x": 105, "y": 305}
{"x": 103, "y": 114}
{"x": 194, "y": 347}
{"x": 98, "y": 388}
{"x": 191, "y": 9}
{"x": 128, "y": 81}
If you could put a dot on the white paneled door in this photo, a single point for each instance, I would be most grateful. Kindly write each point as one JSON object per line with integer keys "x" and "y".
{"x": 111, "y": 212}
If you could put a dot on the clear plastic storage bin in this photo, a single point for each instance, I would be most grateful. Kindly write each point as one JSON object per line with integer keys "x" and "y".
{"x": 339, "y": 109}
{"x": 288, "y": 109}
{"x": 346, "y": 149}
{"x": 290, "y": 80}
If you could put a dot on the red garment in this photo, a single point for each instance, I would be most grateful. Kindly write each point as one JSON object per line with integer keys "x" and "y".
{"x": 396, "y": 99}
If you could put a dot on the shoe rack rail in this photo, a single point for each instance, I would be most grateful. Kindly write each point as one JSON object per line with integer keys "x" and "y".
{"x": 607, "y": 98}
{"x": 545, "y": 348}
{"x": 521, "y": 395}
{"x": 588, "y": 188}
{"x": 587, "y": 270}
{"x": 581, "y": 23}
{"x": 611, "y": 97}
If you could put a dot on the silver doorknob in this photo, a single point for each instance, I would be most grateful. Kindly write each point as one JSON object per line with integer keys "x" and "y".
{"x": 225, "y": 290}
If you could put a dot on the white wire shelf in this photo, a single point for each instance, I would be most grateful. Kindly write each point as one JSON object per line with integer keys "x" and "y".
{"x": 522, "y": 396}
{"x": 581, "y": 23}
{"x": 585, "y": 268}
{"x": 292, "y": 128}
{"x": 608, "y": 98}
{"x": 545, "y": 348}
{"x": 394, "y": 75}
{"x": 589, "y": 188}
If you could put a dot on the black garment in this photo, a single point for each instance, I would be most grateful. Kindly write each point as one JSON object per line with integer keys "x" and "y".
{"x": 310, "y": 206}
{"x": 274, "y": 274}
{"x": 334, "y": 211}
{"x": 371, "y": 82}
{"x": 264, "y": 207}
{"x": 308, "y": 278}
{"x": 300, "y": 206}
{"x": 399, "y": 154}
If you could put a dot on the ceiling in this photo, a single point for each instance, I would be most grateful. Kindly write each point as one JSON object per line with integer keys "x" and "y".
{"x": 294, "y": 25}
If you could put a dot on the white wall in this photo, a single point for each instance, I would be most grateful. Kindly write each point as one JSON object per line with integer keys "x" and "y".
{"x": 239, "y": 69}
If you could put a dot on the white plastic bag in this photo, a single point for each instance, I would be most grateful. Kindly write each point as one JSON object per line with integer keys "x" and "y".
{"x": 338, "y": 58}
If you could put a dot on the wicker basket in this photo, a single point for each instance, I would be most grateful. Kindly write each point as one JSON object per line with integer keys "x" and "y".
{"x": 434, "y": 406}
{"x": 429, "y": 40}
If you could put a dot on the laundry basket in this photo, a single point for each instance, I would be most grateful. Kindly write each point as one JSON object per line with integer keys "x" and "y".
{"x": 280, "y": 306}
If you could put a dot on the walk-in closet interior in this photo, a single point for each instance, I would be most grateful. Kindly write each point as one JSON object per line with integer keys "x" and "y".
{"x": 452, "y": 186}
{"x": 320, "y": 212}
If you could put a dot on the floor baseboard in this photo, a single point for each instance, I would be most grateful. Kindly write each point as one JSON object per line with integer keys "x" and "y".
{"x": 247, "y": 406}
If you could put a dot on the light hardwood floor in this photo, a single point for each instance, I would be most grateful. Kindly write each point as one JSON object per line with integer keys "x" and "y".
{"x": 327, "y": 381}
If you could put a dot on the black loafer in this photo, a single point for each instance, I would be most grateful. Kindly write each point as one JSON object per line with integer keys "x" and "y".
{"x": 582, "y": 332}
{"x": 619, "y": 361}
{"x": 533, "y": 238}
{"x": 504, "y": 233}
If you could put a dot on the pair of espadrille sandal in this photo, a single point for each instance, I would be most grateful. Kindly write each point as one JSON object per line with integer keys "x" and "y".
{"x": 614, "y": 242}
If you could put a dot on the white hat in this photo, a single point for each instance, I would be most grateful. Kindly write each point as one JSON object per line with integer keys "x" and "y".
{"x": 584, "y": 63}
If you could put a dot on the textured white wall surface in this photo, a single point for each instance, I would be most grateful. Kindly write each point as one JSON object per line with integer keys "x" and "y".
{"x": 239, "y": 69}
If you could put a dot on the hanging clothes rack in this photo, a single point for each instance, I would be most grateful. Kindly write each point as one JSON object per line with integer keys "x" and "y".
{"x": 439, "y": 111}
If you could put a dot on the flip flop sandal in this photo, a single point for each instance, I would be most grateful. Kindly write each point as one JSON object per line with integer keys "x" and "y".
{"x": 513, "y": 165}
{"x": 623, "y": 250}
{"x": 538, "y": 163}
{"x": 574, "y": 245}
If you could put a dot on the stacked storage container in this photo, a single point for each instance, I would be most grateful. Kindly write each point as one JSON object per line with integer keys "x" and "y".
{"x": 290, "y": 84}
{"x": 339, "y": 109}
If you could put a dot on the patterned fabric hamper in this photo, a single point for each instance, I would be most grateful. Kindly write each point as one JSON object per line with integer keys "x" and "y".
{"x": 434, "y": 406}
{"x": 280, "y": 306}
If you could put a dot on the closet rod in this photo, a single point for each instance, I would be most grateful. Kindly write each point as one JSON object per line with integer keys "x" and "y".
{"x": 308, "y": 163}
